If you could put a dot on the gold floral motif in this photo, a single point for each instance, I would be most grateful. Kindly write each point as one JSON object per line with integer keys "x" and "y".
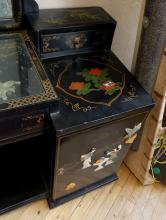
{"x": 131, "y": 94}
{"x": 46, "y": 44}
{"x": 70, "y": 186}
{"x": 38, "y": 120}
{"x": 61, "y": 172}
{"x": 76, "y": 107}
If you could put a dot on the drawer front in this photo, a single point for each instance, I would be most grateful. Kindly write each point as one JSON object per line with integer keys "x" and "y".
{"x": 88, "y": 157}
{"x": 22, "y": 125}
{"x": 74, "y": 41}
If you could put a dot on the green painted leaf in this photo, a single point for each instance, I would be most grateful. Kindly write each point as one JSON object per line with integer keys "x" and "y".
{"x": 112, "y": 91}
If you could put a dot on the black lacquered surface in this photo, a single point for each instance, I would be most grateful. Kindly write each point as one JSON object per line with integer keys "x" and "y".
{"x": 51, "y": 18}
{"x": 18, "y": 77}
{"x": 164, "y": 118}
{"x": 110, "y": 148}
{"x": 60, "y": 32}
{"x": 94, "y": 89}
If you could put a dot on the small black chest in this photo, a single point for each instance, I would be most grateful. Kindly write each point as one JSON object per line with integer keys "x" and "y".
{"x": 59, "y": 32}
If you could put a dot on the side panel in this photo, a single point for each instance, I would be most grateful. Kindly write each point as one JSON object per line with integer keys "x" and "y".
{"x": 88, "y": 157}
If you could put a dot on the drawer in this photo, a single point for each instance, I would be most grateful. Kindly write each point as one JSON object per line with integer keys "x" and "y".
{"x": 19, "y": 127}
{"x": 74, "y": 41}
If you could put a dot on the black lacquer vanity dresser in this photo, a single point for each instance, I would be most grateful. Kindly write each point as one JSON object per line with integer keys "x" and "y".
{"x": 68, "y": 123}
{"x": 102, "y": 107}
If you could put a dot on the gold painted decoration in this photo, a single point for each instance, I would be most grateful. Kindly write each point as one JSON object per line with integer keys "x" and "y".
{"x": 131, "y": 139}
{"x": 131, "y": 94}
{"x": 74, "y": 15}
{"x": 70, "y": 186}
{"x": 77, "y": 107}
{"x": 46, "y": 44}
{"x": 61, "y": 171}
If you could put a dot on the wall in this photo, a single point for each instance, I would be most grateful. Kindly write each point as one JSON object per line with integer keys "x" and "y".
{"x": 128, "y": 14}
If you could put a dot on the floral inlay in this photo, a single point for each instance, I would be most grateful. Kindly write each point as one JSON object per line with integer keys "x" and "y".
{"x": 109, "y": 157}
{"x": 95, "y": 72}
{"x": 76, "y": 86}
{"x": 8, "y": 88}
{"x": 95, "y": 79}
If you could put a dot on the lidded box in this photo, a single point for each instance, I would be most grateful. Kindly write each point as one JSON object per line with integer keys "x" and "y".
{"x": 59, "y": 32}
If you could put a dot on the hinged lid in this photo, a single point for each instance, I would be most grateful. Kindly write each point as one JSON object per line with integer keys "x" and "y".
{"x": 69, "y": 18}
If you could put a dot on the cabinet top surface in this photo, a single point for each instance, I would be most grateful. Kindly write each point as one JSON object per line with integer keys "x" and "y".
{"x": 68, "y": 17}
{"x": 22, "y": 79}
{"x": 94, "y": 89}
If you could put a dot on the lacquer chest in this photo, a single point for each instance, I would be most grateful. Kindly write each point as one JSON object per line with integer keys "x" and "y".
{"x": 59, "y": 32}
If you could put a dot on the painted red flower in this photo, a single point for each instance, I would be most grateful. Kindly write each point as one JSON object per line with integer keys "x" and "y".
{"x": 95, "y": 72}
{"x": 76, "y": 85}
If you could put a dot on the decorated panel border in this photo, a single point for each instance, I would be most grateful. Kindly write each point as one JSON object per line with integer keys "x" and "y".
{"x": 48, "y": 95}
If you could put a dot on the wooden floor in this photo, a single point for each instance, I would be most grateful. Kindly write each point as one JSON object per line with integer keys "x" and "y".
{"x": 125, "y": 199}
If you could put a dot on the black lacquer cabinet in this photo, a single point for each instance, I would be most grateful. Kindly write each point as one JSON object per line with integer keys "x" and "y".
{"x": 66, "y": 124}
{"x": 102, "y": 111}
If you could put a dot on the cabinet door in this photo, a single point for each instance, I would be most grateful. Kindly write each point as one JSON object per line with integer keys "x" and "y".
{"x": 87, "y": 157}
